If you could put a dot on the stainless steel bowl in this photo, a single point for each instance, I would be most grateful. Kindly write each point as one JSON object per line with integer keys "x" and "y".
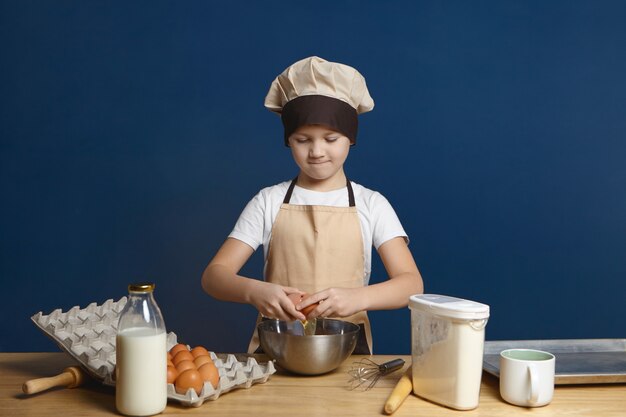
{"x": 333, "y": 341}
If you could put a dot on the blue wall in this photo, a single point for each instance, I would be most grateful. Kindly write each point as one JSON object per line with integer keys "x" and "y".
{"x": 133, "y": 133}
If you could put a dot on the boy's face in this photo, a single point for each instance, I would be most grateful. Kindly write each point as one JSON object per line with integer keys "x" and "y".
{"x": 319, "y": 151}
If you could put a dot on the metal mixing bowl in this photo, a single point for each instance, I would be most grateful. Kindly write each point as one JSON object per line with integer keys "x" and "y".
{"x": 333, "y": 341}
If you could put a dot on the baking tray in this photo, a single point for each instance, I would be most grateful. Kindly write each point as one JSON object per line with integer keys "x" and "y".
{"x": 578, "y": 361}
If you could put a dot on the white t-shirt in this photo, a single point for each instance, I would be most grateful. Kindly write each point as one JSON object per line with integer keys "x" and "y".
{"x": 379, "y": 222}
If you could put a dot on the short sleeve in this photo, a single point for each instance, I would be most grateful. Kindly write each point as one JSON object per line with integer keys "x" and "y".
{"x": 250, "y": 225}
{"x": 385, "y": 222}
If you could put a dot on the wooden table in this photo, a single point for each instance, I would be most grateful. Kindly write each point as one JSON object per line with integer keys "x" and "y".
{"x": 285, "y": 395}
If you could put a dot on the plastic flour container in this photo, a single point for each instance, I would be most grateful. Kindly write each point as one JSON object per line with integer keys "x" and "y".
{"x": 448, "y": 336}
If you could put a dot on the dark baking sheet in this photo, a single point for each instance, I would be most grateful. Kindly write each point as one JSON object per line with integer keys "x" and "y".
{"x": 578, "y": 361}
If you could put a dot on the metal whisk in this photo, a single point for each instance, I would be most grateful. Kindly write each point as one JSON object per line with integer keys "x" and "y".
{"x": 365, "y": 373}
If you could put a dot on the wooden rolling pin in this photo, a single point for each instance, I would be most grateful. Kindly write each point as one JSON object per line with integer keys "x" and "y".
{"x": 402, "y": 390}
{"x": 70, "y": 377}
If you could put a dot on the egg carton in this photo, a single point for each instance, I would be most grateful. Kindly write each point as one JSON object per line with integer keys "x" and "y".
{"x": 88, "y": 335}
{"x": 233, "y": 374}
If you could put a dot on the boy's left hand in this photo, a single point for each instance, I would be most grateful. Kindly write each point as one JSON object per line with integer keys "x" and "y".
{"x": 334, "y": 302}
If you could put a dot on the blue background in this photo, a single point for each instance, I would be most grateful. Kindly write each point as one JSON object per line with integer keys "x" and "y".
{"x": 133, "y": 134}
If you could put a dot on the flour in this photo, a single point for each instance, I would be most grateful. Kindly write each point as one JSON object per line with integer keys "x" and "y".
{"x": 447, "y": 358}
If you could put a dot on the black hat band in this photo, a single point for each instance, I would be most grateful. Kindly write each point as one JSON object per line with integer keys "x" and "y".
{"x": 320, "y": 110}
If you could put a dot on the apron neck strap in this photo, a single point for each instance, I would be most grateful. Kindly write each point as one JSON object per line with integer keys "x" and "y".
{"x": 351, "y": 201}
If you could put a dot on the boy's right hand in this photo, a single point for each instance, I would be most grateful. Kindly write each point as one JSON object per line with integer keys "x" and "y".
{"x": 273, "y": 301}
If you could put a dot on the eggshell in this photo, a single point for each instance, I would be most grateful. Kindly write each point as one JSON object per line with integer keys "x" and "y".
{"x": 189, "y": 379}
{"x": 209, "y": 373}
{"x": 172, "y": 373}
{"x": 177, "y": 348}
{"x": 184, "y": 365}
{"x": 199, "y": 351}
{"x": 184, "y": 355}
{"x": 307, "y": 310}
{"x": 201, "y": 360}
{"x": 297, "y": 298}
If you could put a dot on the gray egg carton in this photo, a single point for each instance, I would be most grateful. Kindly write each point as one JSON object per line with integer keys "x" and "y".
{"x": 88, "y": 335}
{"x": 233, "y": 374}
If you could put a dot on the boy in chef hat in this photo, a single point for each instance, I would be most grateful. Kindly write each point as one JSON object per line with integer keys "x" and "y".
{"x": 318, "y": 229}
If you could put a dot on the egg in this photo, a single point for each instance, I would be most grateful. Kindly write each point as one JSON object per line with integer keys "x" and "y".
{"x": 201, "y": 360}
{"x": 199, "y": 351}
{"x": 172, "y": 373}
{"x": 297, "y": 298}
{"x": 209, "y": 373}
{"x": 184, "y": 365}
{"x": 183, "y": 355}
{"x": 177, "y": 348}
{"x": 189, "y": 379}
{"x": 308, "y": 309}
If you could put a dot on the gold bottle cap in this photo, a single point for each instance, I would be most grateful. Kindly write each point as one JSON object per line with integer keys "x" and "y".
{"x": 141, "y": 287}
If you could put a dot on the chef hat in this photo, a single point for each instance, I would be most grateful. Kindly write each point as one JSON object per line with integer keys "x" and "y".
{"x": 316, "y": 91}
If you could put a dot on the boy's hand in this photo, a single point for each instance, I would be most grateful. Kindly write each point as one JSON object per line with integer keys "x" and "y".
{"x": 334, "y": 302}
{"x": 273, "y": 301}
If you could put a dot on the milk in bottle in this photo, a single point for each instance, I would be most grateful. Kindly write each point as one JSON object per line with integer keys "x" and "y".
{"x": 141, "y": 355}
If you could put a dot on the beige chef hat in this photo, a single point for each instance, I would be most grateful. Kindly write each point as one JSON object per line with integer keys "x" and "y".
{"x": 316, "y": 91}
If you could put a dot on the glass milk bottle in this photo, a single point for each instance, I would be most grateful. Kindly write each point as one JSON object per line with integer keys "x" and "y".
{"x": 141, "y": 355}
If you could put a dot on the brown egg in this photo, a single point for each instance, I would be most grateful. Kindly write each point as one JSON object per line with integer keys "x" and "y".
{"x": 297, "y": 298}
{"x": 199, "y": 351}
{"x": 183, "y": 355}
{"x": 201, "y": 360}
{"x": 189, "y": 379}
{"x": 177, "y": 348}
{"x": 209, "y": 373}
{"x": 184, "y": 365}
{"x": 172, "y": 373}
{"x": 307, "y": 310}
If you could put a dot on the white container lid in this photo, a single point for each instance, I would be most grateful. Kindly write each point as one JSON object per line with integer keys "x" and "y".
{"x": 446, "y": 306}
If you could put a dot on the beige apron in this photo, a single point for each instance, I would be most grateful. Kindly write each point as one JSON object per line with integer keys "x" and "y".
{"x": 316, "y": 247}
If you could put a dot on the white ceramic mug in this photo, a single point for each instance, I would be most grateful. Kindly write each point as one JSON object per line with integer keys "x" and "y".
{"x": 526, "y": 377}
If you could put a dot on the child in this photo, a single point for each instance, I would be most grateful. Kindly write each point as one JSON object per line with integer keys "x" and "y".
{"x": 318, "y": 229}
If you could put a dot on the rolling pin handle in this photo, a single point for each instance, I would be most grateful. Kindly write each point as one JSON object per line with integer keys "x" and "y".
{"x": 402, "y": 390}
{"x": 77, "y": 375}
{"x": 70, "y": 377}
